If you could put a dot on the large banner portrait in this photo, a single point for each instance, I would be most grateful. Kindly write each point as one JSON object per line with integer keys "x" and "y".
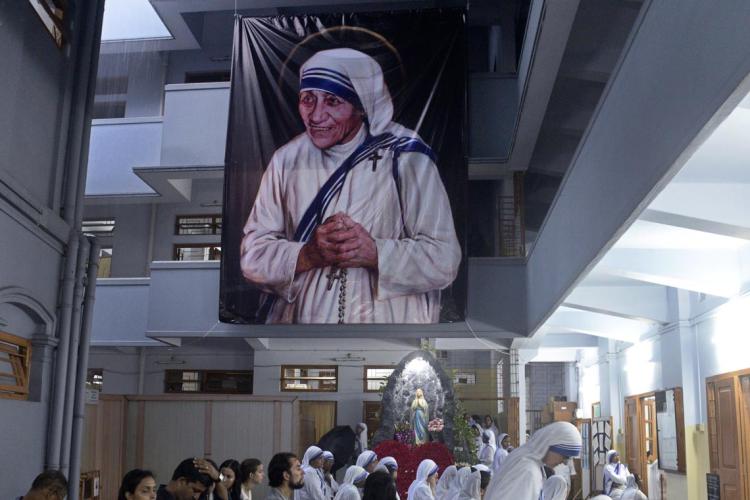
{"x": 346, "y": 177}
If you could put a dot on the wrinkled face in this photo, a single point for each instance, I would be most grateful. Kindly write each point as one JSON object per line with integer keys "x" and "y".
{"x": 228, "y": 477}
{"x": 146, "y": 490}
{"x": 328, "y": 119}
{"x": 615, "y": 458}
{"x": 296, "y": 476}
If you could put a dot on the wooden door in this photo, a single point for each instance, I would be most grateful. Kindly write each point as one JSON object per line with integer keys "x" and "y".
{"x": 649, "y": 442}
{"x": 723, "y": 437}
{"x": 103, "y": 442}
{"x": 744, "y": 431}
{"x": 633, "y": 439}
{"x": 371, "y": 417}
{"x": 316, "y": 418}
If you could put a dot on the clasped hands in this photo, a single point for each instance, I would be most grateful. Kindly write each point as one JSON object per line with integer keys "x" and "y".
{"x": 338, "y": 242}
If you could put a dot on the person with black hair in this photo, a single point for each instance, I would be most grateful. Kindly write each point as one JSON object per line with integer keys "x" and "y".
{"x": 191, "y": 479}
{"x": 285, "y": 475}
{"x": 484, "y": 481}
{"x": 217, "y": 490}
{"x": 137, "y": 484}
{"x": 49, "y": 485}
{"x": 379, "y": 486}
{"x": 251, "y": 475}
{"x": 230, "y": 469}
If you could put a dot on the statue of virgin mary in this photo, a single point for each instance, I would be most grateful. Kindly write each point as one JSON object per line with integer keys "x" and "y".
{"x": 419, "y": 415}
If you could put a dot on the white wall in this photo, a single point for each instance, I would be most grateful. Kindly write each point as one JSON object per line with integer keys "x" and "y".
{"x": 683, "y": 354}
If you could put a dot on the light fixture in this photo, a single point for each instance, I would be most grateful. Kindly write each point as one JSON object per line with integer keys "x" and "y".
{"x": 348, "y": 357}
{"x": 170, "y": 361}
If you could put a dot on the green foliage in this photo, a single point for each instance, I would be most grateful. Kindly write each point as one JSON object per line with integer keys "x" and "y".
{"x": 464, "y": 444}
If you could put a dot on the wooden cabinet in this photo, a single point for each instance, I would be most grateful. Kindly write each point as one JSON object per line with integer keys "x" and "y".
{"x": 557, "y": 411}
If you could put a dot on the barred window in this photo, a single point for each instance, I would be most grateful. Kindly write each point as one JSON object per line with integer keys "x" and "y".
{"x": 307, "y": 378}
{"x": 198, "y": 224}
{"x": 209, "y": 381}
{"x": 197, "y": 252}
{"x": 376, "y": 377}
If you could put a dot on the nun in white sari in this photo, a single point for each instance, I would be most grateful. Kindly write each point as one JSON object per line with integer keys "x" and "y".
{"x": 348, "y": 490}
{"x": 368, "y": 460}
{"x": 500, "y": 455}
{"x": 555, "y": 488}
{"x": 391, "y": 245}
{"x": 423, "y": 487}
{"x": 314, "y": 488}
{"x": 632, "y": 492}
{"x": 446, "y": 485}
{"x": 469, "y": 485}
{"x": 522, "y": 475}
{"x": 487, "y": 451}
{"x": 615, "y": 475}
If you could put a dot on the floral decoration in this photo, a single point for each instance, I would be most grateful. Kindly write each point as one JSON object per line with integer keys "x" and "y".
{"x": 409, "y": 457}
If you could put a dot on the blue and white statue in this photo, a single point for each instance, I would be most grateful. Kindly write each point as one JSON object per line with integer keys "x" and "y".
{"x": 419, "y": 415}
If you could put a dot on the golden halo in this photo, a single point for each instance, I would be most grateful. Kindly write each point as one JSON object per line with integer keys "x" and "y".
{"x": 332, "y": 29}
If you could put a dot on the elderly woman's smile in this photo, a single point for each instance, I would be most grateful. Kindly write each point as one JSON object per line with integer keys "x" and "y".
{"x": 328, "y": 119}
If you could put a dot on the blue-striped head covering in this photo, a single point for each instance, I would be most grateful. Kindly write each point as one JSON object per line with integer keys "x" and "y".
{"x": 355, "y": 77}
{"x": 366, "y": 458}
{"x": 329, "y": 456}
{"x": 331, "y": 81}
{"x": 566, "y": 450}
{"x": 390, "y": 463}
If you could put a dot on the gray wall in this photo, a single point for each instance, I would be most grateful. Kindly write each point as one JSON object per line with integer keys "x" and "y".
{"x": 130, "y": 239}
{"x": 33, "y": 132}
{"x": 120, "y": 365}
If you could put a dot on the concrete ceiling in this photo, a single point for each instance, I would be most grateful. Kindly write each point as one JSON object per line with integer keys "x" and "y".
{"x": 694, "y": 236}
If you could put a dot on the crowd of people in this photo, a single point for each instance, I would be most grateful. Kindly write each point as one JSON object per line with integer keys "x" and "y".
{"x": 533, "y": 471}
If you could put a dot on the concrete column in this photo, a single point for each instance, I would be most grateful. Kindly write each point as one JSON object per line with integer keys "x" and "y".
{"x": 693, "y": 400}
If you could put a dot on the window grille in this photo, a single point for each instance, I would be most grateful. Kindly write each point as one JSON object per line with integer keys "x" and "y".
{"x": 308, "y": 378}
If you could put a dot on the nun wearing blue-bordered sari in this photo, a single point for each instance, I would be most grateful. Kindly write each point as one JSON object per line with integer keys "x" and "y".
{"x": 523, "y": 473}
{"x": 380, "y": 181}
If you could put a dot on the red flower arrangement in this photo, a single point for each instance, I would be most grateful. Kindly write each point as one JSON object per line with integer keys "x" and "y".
{"x": 409, "y": 458}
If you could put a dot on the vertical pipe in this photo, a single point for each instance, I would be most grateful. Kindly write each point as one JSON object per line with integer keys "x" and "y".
{"x": 57, "y": 408}
{"x": 84, "y": 53}
{"x": 151, "y": 238}
{"x": 75, "y": 333}
{"x": 79, "y": 411}
{"x": 141, "y": 368}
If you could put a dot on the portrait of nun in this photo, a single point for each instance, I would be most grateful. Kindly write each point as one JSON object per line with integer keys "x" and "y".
{"x": 351, "y": 223}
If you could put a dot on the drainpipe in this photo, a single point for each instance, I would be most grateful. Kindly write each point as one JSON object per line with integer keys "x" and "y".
{"x": 79, "y": 410}
{"x": 141, "y": 369}
{"x": 84, "y": 55}
{"x": 74, "y": 343}
{"x": 54, "y": 442}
